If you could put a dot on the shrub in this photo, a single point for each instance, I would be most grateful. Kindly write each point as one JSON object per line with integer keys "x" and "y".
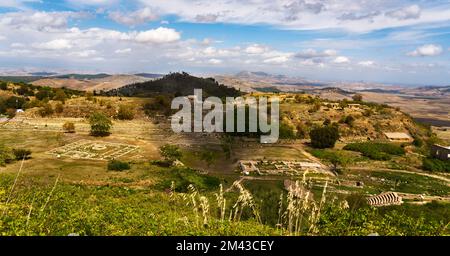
{"x": 60, "y": 95}
{"x": 100, "y": 124}
{"x": 46, "y": 110}
{"x": 349, "y": 120}
{"x": 59, "y": 108}
{"x": 170, "y": 152}
{"x": 6, "y": 155}
{"x": 22, "y": 154}
{"x": 287, "y": 131}
{"x": 89, "y": 96}
{"x": 435, "y": 165}
{"x": 376, "y": 151}
{"x": 11, "y": 112}
{"x": 183, "y": 177}
{"x": 116, "y": 165}
{"x": 324, "y": 137}
{"x": 69, "y": 127}
{"x": 316, "y": 107}
{"x": 337, "y": 158}
{"x": 125, "y": 113}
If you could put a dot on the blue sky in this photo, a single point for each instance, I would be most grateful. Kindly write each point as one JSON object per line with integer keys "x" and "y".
{"x": 403, "y": 41}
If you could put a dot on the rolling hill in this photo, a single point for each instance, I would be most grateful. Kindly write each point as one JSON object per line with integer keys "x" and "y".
{"x": 180, "y": 84}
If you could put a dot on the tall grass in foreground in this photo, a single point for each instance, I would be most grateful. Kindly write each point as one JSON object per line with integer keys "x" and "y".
{"x": 62, "y": 209}
{"x": 298, "y": 213}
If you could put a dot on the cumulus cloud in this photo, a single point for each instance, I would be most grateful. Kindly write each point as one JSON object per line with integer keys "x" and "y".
{"x": 277, "y": 60}
{"x": 206, "y": 18}
{"x": 311, "y": 53}
{"x": 84, "y": 53}
{"x": 214, "y": 61}
{"x": 19, "y": 4}
{"x": 134, "y": 18}
{"x": 406, "y": 13}
{"x": 367, "y": 63}
{"x": 123, "y": 51}
{"x": 295, "y": 8}
{"x": 93, "y": 2}
{"x": 350, "y": 15}
{"x": 341, "y": 60}
{"x": 38, "y": 20}
{"x": 158, "y": 36}
{"x": 358, "y": 16}
{"x": 256, "y": 49}
{"x": 426, "y": 50}
{"x": 58, "y": 44}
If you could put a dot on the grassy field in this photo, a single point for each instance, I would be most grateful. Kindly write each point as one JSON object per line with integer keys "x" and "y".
{"x": 60, "y": 196}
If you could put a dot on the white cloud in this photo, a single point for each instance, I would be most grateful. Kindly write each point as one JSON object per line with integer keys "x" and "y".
{"x": 215, "y": 61}
{"x": 83, "y": 54}
{"x": 58, "y": 44}
{"x": 93, "y": 2}
{"x": 157, "y": 36}
{"x": 341, "y": 60}
{"x": 134, "y": 18}
{"x": 206, "y": 18}
{"x": 426, "y": 50}
{"x": 38, "y": 20}
{"x": 277, "y": 60}
{"x": 17, "y": 45}
{"x": 367, "y": 63}
{"x": 255, "y": 49}
{"x": 123, "y": 51}
{"x": 311, "y": 53}
{"x": 349, "y": 15}
{"x": 19, "y": 4}
{"x": 406, "y": 13}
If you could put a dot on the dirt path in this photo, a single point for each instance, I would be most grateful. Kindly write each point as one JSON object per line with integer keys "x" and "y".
{"x": 447, "y": 180}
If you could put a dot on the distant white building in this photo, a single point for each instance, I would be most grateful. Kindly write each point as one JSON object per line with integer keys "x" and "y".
{"x": 398, "y": 137}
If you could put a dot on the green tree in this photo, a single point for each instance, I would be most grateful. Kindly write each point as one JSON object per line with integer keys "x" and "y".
{"x": 357, "y": 97}
{"x": 324, "y": 137}
{"x": 15, "y": 102}
{"x": 60, "y": 95}
{"x": 3, "y": 86}
{"x": 100, "y": 124}
{"x": 44, "y": 93}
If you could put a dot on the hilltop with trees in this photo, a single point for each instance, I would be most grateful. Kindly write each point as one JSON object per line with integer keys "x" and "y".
{"x": 176, "y": 84}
